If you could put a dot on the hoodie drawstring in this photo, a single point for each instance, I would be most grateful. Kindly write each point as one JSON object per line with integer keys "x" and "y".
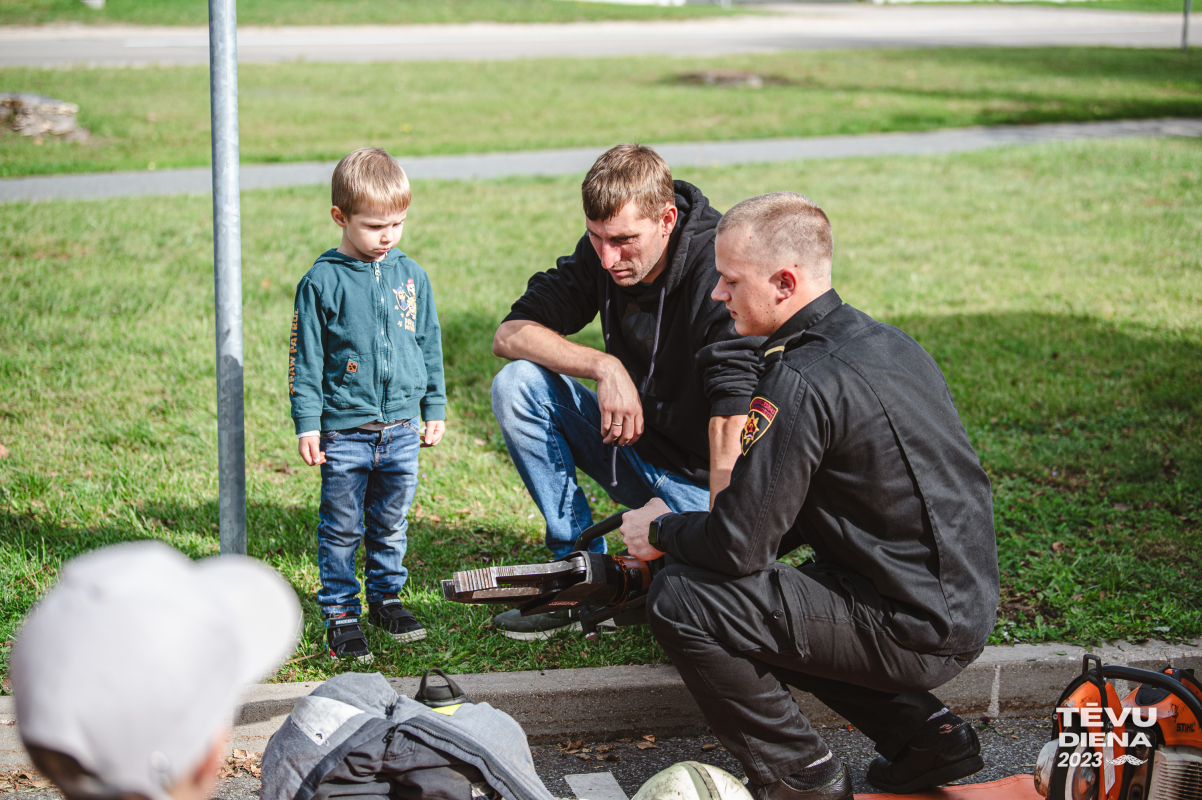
{"x": 659, "y": 316}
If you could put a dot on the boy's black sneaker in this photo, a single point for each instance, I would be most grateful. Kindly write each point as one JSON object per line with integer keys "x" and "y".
{"x": 393, "y": 617}
{"x": 346, "y": 639}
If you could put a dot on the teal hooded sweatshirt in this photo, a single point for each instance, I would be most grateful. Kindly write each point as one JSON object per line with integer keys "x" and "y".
{"x": 365, "y": 344}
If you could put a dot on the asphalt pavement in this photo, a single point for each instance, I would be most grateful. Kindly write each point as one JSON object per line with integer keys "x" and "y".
{"x": 576, "y": 161}
{"x": 794, "y": 26}
{"x": 1009, "y": 746}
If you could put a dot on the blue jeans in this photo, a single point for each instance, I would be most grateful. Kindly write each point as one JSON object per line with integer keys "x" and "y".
{"x": 367, "y": 478}
{"x": 552, "y": 426}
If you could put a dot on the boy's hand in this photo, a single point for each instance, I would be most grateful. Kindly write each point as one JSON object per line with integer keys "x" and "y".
{"x": 435, "y": 428}
{"x": 310, "y": 450}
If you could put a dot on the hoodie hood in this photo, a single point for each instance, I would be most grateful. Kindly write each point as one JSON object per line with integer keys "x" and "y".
{"x": 391, "y": 259}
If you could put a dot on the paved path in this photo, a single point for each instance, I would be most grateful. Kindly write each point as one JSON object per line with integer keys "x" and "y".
{"x": 576, "y": 161}
{"x": 797, "y": 27}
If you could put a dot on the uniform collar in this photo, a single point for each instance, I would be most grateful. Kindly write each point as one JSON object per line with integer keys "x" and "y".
{"x": 797, "y": 324}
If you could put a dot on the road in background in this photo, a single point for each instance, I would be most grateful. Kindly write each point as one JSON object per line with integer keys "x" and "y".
{"x": 795, "y": 27}
{"x": 577, "y": 160}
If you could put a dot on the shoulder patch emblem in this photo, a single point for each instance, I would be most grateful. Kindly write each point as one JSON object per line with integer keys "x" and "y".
{"x": 351, "y": 366}
{"x": 759, "y": 419}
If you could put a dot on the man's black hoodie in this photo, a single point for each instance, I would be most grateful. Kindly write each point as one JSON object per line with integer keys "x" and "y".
{"x": 678, "y": 345}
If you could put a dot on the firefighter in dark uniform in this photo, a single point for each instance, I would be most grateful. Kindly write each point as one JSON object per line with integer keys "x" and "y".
{"x": 853, "y": 447}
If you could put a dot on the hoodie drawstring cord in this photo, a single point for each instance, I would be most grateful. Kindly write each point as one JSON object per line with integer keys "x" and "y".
{"x": 659, "y": 316}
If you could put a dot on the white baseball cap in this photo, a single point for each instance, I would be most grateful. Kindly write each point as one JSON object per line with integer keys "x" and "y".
{"x": 134, "y": 662}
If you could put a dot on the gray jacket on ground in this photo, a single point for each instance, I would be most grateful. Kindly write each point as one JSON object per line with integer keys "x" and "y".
{"x": 355, "y": 736}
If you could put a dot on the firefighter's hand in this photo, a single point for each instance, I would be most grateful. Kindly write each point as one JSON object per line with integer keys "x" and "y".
{"x": 621, "y": 411}
{"x": 310, "y": 450}
{"x": 634, "y": 529}
{"x": 435, "y": 428}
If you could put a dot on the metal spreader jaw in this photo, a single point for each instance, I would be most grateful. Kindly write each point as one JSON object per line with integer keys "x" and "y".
{"x": 603, "y": 587}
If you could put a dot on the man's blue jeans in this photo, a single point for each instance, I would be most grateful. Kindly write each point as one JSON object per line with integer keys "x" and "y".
{"x": 552, "y": 426}
{"x": 367, "y": 478}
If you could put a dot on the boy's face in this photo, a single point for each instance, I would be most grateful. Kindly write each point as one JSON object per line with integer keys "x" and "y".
{"x": 368, "y": 234}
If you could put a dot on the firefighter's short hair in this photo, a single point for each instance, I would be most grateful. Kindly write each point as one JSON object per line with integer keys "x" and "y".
{"x": 785, "y": 225}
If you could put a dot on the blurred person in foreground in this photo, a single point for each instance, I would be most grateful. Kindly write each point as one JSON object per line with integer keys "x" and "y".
{"x": 852, "y": 446}
{"x": 127, "y": 674}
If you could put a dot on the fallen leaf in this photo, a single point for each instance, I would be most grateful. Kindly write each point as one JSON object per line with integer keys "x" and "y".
{"x": 626, "y": 741}
{"x": 464, "y": 511}
{"x": 608, "y": 757}
{"x": 479, "y": 442}
{"x": 708, "y": 747}
{"x": 3, "y": 451}
{"x": 1057, "y": 547}
{"x": 649, "y": 746}
{"x": 649, "y": 738}
{"x": 285, "y": 470}
{"x": 434, "y": 518}
{"x": 583, "y": 757}
{"x": 604, "y": 748}
{"x": 440, "y": 497}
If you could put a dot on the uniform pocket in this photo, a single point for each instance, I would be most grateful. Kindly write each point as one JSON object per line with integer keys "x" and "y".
{"x": 790, "y": 622}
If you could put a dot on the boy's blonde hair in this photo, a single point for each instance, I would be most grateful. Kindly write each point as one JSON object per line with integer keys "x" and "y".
{"x": 624, "y": 173}
{"x": 370, "y": 178}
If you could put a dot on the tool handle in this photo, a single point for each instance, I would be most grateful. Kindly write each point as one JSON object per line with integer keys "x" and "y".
{"x": 595, "y": 532}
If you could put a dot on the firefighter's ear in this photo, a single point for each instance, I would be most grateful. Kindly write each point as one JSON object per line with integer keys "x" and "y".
{"x": 785, "y": 282}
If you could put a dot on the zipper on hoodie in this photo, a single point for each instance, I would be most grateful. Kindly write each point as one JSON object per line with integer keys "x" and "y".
{"x": 383, "y": 317}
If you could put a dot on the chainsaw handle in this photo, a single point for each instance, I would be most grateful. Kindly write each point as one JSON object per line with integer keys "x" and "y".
{"x": 1160, "y": 680}
{"x": 595, "y": 532}
{"x": 1134, "y": 675}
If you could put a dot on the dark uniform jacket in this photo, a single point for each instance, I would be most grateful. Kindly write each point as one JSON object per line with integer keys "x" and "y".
{"x": 853, "y": 446}
{"x": 678, "y": 344}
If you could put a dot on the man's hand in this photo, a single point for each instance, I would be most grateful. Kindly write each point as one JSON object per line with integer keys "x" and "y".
{"x": 621, "y": 411}
{"x": 635, "y": 524}
{"x": 310, "y": 450}
{"x": 435, "y": 428}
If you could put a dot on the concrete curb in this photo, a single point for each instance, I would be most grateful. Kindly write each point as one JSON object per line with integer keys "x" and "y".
{"x": 608, "y": 702}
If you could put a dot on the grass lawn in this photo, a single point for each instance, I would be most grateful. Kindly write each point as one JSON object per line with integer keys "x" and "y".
{"x": 292, "y": 112}
{"x": 336, "y": 12}
{"x": 1058, "y": 287}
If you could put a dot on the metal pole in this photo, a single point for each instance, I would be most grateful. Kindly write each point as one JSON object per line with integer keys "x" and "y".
{"x": 1185, "y": 28}
{"x": 227, "y": 275}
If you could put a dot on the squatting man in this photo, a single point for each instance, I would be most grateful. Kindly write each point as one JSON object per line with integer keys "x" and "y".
{"x": 673, "y": 382}
{"x": 854, "y": 447}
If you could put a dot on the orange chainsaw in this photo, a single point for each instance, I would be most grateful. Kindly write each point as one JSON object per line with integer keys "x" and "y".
{"x": 1145, "y": 746}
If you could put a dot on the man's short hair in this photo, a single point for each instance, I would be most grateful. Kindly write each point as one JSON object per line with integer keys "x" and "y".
{"x": 369, "y": 178}
{"x": 786, "y": 225}
{"x": 624, "y": 173}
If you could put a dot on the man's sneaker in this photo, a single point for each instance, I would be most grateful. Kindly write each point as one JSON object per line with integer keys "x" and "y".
{"x": 945, "y": 749}
{"x": 393, "y": 617}
{"x": 346, "y": 639}
{"x": 541, "y": 626}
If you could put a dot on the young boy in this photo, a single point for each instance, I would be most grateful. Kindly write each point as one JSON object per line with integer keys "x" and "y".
{"x": 365, "y": 357}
